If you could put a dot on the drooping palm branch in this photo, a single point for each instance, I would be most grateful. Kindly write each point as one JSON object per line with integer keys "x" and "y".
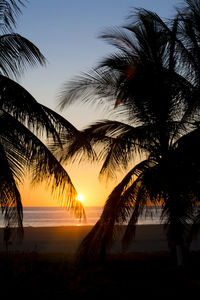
{"x": 71, "y": 142}
{"x": 11, "y": 205}
{"x": 19, "y": 104}
{"x": 118, "y": 207}
{"x": 23, "y": 150}
{"x": 18, "y": 53}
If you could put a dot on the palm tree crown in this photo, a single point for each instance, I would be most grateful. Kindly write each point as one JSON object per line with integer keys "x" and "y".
{"x": 150, "y": 79}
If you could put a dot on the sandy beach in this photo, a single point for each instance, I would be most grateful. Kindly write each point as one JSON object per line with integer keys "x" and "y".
{"x": 66, "y": 239}
{"x": 44, "y": 266}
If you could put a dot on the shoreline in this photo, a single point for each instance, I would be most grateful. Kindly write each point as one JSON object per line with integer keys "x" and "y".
{"x": 66, "y": 239}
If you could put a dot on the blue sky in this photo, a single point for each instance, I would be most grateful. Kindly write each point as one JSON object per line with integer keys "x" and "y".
{"x": 66, "y": 32}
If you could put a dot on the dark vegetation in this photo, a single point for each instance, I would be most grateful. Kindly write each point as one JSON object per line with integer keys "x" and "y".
{"x": 26, "y": 126}
{"x": 152, "y": 79}
{"x": 33, "y": 275}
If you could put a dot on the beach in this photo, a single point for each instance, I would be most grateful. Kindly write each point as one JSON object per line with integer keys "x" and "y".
{"x": 66, "y": 239}
{"x": 43, "y": 265}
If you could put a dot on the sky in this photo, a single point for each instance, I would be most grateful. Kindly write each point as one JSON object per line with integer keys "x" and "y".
{"x": 66, "y": 32}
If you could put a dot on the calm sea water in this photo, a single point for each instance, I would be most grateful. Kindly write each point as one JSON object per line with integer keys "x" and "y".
{"x": 56, "y": 216}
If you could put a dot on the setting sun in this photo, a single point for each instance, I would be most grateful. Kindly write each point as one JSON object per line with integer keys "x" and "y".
{"x": 80, "y": 198}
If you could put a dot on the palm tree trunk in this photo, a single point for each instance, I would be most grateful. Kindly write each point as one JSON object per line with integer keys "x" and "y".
{"x": 177, "y": 228}
{"x": 175, "y": 233}
{"x": 180, "y": 255}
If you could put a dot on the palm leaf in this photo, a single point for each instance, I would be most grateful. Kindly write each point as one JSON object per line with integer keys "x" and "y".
{"x": 97, "y": 242}
{"x": 141, "y": 198}
{"x": 18, "y": 53}
{"x": 9, "y": 10}
{"x": 118, "y": 143}
{"x": 72, "y": 143}
{"x": 91, "y": 87}
{"x": 21, "y": 104}
{"x": 33, "y": 154}
{"x": 10, "y": 199}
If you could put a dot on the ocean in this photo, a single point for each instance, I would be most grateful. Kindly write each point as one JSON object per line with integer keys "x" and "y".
{"x": 56, "y": 216}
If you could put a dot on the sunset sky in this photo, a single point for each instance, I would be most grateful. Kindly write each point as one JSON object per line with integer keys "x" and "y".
{"x": 66, "y": 32}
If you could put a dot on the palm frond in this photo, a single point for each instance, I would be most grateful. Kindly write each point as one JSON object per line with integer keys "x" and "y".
{"x": 120, "y": 39}
{"x": 60, "y": 123}
{"x": 17, "y": 101}
{"x": 97, "y": 242}
{"x": 18, "y": 53}
{"x": 150, "y": 37}
{"x": 141, "y": 198}
{"x": 91, "y": 87}
{"x": 136, "y": 195}
{"x": 72, "y": 143}
{"x": 12, "y": 147}
{"x": 33, "y": 154}
{"x": 9, "y": 11}
{"x": 188, "y": 39}
{"x": 116, "y": 143}
{"x": 10, "y": 199}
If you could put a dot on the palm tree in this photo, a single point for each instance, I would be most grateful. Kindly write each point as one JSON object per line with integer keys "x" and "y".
{"x": 22, "y": 119}
{"x": 189, "y": 41}
{"x": 146, "y": 76}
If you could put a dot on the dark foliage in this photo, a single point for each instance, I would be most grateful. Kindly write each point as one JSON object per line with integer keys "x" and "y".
{"x": 24, "y": 124}
{"x": 153, "y": 80}
{"x": 33, "y": 274}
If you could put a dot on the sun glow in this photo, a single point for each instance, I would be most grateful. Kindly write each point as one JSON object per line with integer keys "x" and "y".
{"x": 80, "y": 198}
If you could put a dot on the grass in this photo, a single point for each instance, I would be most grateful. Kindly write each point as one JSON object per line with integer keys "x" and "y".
{"x": 33, "y": 275}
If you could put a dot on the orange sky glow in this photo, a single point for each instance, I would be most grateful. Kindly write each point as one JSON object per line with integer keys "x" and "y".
{"x": 86, "y": 182}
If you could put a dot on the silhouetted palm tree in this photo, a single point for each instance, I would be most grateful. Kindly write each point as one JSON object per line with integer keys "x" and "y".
{"x": 189, "y": 37}
{"x": 22, "y": 119}
{"x": 146, "y": 76}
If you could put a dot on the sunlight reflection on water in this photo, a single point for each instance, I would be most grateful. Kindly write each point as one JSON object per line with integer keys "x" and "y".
{"x": 56, "y": 216}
